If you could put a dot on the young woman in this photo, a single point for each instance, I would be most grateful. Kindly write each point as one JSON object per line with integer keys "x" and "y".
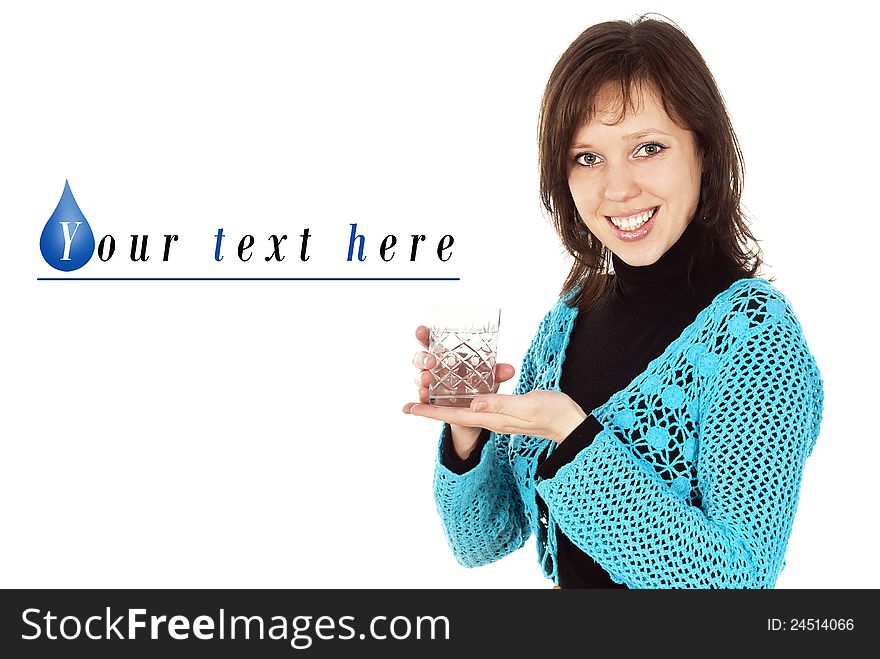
{"x": 664, "y": 410}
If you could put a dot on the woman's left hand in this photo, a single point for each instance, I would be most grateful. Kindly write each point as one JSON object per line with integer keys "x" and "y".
{"x": 549, "y": 414}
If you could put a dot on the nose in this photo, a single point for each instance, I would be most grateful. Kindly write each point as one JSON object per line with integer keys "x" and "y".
{"x": 620, "y": 182}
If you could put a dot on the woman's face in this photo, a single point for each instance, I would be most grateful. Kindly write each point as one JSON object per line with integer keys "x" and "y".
{"x": 619, "y": 174}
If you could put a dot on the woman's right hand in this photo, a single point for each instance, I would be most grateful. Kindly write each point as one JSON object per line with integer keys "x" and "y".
{"x": 464, "y": 438}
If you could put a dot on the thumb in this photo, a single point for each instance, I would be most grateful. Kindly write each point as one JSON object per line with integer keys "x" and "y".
{"x": 503, "y": 373}
{"x": 488, "y": 403}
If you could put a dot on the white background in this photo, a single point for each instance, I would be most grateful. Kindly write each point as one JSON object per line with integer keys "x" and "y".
{"x": 250, "y": 434}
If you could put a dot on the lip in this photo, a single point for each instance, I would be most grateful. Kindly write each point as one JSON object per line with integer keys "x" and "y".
{"x": 630, "y": 213}
{"x": 636, "y": 234}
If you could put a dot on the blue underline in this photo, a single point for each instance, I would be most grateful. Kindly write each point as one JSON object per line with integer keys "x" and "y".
{"x": 248, "y": 278}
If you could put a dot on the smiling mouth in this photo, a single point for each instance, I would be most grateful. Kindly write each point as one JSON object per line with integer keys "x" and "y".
{"x": 632, "y": 222}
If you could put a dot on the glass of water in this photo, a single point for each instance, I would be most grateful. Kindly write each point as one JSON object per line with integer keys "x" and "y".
{"x": 464, "y": 341}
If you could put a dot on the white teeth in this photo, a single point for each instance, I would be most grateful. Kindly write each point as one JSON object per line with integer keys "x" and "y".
{"x": 631, "y": 223}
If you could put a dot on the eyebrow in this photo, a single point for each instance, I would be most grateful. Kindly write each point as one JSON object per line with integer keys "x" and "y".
{"x": 627, "y": 138}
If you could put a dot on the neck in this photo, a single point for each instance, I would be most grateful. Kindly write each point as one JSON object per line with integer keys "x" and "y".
{"x": 667, "y": 275}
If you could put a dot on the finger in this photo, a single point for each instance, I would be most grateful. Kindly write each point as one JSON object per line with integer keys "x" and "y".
{"x": 423, "y": 400}
{"x": 463, "y": 416}
{"x": 513, "y": 407}
{"x": 424, "y": 378}
{"x": 407, "y": 409}
{"x": 418, "y": 359}
{"x": 422, "y": 334}
{"x": 460, "y": 416}
{"x": 422, "y": 360}
{"x": 486, "y": 403}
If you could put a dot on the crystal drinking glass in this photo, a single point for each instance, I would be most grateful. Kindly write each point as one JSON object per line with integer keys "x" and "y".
{"x": 464, "y": 341}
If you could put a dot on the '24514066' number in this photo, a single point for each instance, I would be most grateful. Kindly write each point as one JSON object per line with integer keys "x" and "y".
{"x": 810, "y": 624}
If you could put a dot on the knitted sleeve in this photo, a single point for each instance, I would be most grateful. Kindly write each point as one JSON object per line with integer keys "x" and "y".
{"x": 482, "y": 510}
{"x": 759, "y": 418}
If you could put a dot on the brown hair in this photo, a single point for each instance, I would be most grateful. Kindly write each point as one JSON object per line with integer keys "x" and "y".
{"x": 653, "y": 53}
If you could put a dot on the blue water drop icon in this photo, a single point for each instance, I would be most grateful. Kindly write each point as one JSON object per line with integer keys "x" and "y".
{"x": 67, "y": 242}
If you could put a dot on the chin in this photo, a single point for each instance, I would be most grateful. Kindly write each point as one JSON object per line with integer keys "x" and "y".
{"x": 638, "y": 258}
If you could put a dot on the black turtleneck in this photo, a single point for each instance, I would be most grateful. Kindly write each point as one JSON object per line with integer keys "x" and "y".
{"x": 643, "y": 311}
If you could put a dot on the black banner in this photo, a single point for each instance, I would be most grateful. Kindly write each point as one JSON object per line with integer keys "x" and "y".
{"x": 340, "y": 623}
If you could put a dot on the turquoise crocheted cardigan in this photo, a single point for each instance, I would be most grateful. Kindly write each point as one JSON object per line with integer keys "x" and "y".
{"x": 693, "y": 481}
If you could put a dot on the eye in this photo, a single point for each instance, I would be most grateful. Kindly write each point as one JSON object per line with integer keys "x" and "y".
{"x": 652, "y": 149}
{"x": 586, "y": 159}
